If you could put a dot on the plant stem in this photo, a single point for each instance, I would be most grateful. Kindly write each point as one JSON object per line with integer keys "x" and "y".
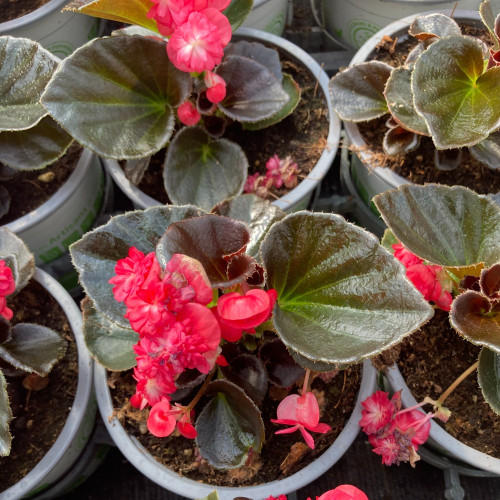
{"x": 306, "y": 381}
{"x": 453, "y": 386}
{"x": 198, "y": 396}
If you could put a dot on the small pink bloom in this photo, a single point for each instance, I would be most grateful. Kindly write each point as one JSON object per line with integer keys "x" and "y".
{"x": 216, "y": 87}
{"x": 246, "y": 311}
{"x": 387, "y": 447}
{"x": 405, "y": 256}
{"x": 161, "y": 421}
{"x": 227, "y": 332}
{"x": 4, "y": 310}
{"x": 415, "y": 424}
{"x": 426, "y": 280}
{"x": 7, "y": 283}
{"x": 301, "y": 412}
{"x": 188, "y": 114}
{"x": 344, "y": 492}
{"x": 377, "y": 412}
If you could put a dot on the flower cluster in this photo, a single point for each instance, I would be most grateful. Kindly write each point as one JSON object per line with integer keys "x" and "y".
{"x": 395, "y": 434}
{"x": 7, "y": 286}
{"x": 432, "y": 281}
{"x": 341, "y": 492}
{"x": 279, "y": 173}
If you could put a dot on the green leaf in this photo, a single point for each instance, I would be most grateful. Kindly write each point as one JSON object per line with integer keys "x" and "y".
{"x": 5, "y": 418}
{"x": 400, "y": 101}
{"x": 488, "y": 151}
{"x": 229, "y": 426}
{"x": 110, "y": 344}
{"x": 358, "y": 91}
{"x": 237, "y": 11}
{"x": 33, "y": 348}
{"x": 433, "y": 25}
{"x": 258, "y": 213}
{"x": 96, "y": 254}
{"x": 17, "y": 256}
{"x": 212, "y": 496}
{"x": 203, "y": 171}
{"x": 293, "y": 91}
{"x": 116, "y": 96}
{"x": 213, "y": 240}
{"x": 388, "y": 239}
{"x": 488, "y": 375}
{"x": 25, "y": 69}
{"x": 447, "y": 226}
{"x": 459, "y": 102}
{"x": 250, "y": 99}
{"x": 341, "y": 296}
{"x": 477, "y": 319}
{"x": 124, "y": 11}
{"x": 34, "y": 148}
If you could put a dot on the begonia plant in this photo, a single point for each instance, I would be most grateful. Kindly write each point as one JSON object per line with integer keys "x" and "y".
{"x": 226, "y": 303}
{"x": 447, "y": 89}
{"x": 25, "y": 348}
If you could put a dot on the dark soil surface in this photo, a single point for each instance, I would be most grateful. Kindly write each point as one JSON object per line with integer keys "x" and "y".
{"x": 336, "y": 399}
{"x": 12, "y": 9}
{"x": 430, "y": 361}
{"x": 39, "y": 416}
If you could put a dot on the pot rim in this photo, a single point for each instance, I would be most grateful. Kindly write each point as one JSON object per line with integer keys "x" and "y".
{"x": 325, "y": 161}
{"x": 438, "y": 435}
{"x": 82, "y": 397}
{"x": 168, "y": 479}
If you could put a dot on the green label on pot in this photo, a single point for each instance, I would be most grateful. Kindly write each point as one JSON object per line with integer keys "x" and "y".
{"x": 360, "y": 30}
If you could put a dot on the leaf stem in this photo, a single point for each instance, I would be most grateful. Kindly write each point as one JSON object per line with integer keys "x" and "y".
{"x": 202, "y": 390}
{"x": 454, "y": 385}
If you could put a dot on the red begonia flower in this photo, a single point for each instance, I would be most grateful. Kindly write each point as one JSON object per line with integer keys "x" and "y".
{"x": 188, "y": 114}
{"x": 7, "y": 283}
{"x": 416, "y": 424}
{"x": 161, "y": 421}
{"x": 216, "y": 87}
{"x": 344, "y": 492}
{"x": 4, "y": 310}
{"x": 405, "y": 256}
{"x": 378, "y": 411}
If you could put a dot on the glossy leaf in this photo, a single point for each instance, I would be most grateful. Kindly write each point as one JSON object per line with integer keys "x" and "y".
{"x": 237, "y": 11}
{"x": 210, "y": 239}
{"x": 248, "y": 373}
{"x": 35, "y": 148}
{"x": 5, "y": 330}
{"x": 5, "y": 418}
{"x": 341, "y": 296}
{"x": 488, "y": 151}
{"x": 250, "y": 99}
{"x": 116, "y": 95}
{"x": 488, "y": 375}
{"x": 33, "y": 348}
{"x": 282, "y": 369}
{"x": 258, "y": 213}
{"x": 433, "y": 25}
{"x": 228, "y": 426}
{"x": 358, "y": 92}
{"x": 400, "y": 101}
{"x": 448, "y": 226}
{"x": 459, "y": 102}
{"x": 25, "y": 69}
{"x": 110, "y": 344}
{"x": 447, "y": 159}
{"x": 477, "y": 319}
{"x": 124, "y": 11}
{"x": 96, "y": 254}
{"x": 293, "y": 91}
{"x": 489, "y": 11}
{"x": 4, "y": 201}
{"x": 202, "y": 170}
{"x": 17, "y": 256}
{"x": 398, "y": 140}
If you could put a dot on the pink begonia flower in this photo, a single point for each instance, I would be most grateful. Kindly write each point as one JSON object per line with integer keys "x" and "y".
{"x": 385, "y": 446}
{"x": 377, "y": 412}
{"x": 198, "y": 44}
{"x": 405, "y": 256}
{"x": 344, "y": 492}
{"x": 415, "y": 424}
{"x": 227, "y": 332}
{"x": 258, "y": 184}
{"x": 216, "y": 87}
{"x": 169, "y": 14}
{"x": 282, "y": 172}
{"x": 188, "y": 114}
{"x": 246, "y": 311}
{"x": 161, "y": 420}
{"x": 4, "y": 310}
{"x": 301, "y": 412}
{"x": 7, "y": 283}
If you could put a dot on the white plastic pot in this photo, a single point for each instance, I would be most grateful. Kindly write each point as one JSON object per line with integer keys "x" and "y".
{"x": 138, "y": 456}
{"x": 355, "y": 21}
{"x": 59, "y": 32}
{"x": 268, "y": 15}
{"x": 299, "y": 197}
{"x": 439, "y": 439}
{"x": 78, "y": 428}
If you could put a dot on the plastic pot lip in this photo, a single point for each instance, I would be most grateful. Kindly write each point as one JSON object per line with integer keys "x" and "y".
{"x": 57, "y": 199}
{"x": 458, "y": 449}
{"x": 32, "y": 17}
{"x": 397, "y": 29}
{"x": 308, "y": 184}
{"x": 170, "y": 480}
{"x": 82, "y": 397}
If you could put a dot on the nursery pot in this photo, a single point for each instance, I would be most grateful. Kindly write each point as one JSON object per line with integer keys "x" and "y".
{"x": 299, "y": 197}
{"x": 355, "y": 21}
{"x": 166, "y": 478}
{"x": 268, "y": 15}
{"x": 59, "y": 32}
{"x": 439, "y": 439}
{"x": 69, "y": 446}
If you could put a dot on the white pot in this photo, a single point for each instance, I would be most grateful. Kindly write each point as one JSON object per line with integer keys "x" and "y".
{"x": 67, "y": 215}
{"x": 268, "y": 15}
{"x": 138, "y": 456}
{"x": 59, "y": 32}
{"x": 78, "y": 428}
{"x": 299, "y": 197}
{"x": 439, "y": 439}
{"x": 355, "y": 21}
